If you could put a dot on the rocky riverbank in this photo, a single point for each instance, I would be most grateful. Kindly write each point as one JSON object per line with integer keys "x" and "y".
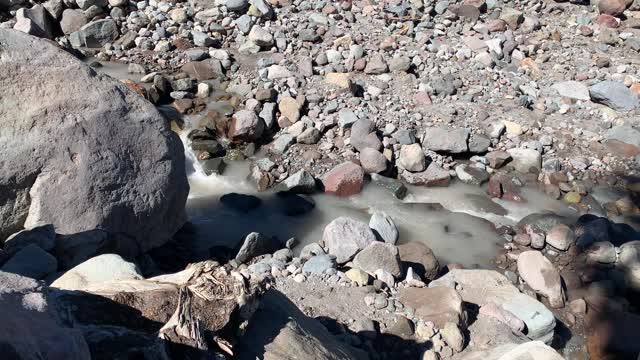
{"x": 521, "y": 100}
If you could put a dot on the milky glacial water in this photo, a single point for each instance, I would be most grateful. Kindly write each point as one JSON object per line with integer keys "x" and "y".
{"x": 461, "y": 232}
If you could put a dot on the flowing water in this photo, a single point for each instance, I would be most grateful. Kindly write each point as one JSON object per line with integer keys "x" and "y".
{"x": 458, "y": 233}
{"x": 462, "y": 232}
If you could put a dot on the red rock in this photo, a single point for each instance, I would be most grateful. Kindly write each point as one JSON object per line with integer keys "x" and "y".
{"x": 635, "y": 88}
{"x": 421, "y": 98}
{"x": 497, "y": 25}
{"x": 586, "y": 30}
{"x": 501, "y": 186}
{"x": 607, "y": 21}
{"x": 613, "y": 7}
{"x": 360, "y": 64}
{"x": 497, "y": 158}
{"x": 345, "y": 179}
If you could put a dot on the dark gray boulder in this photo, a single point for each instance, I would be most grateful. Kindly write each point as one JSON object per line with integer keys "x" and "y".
{"x": 81, "y": 151}
{"x": 29, "y": 329}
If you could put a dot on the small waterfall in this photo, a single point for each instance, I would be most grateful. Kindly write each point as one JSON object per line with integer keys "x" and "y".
{"x": 194, "y": 168}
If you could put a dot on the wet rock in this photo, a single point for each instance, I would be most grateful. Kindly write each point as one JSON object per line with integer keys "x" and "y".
{"x": 245, "y": 126}
{"x": 384, "y": 227}
{"x": 525, "y": 160}
{"x": 378, "y": 255}
{"x": 345, "y": 179}
{"x": 434, "y": 175}
{"x": 319, "y": 264}
{"x": 561, "y": 237}
{"x": 240, "y": 202}
{"x": 255, "y": 244}
{"x": 396, "y": 187}
{"x": 345, "y": 237}
{"x": 293, "y": 204}
{"x": 31, "y": 261}
{"x": 615, "y": 95}
{"x": 446, "y": 140}
{"x": 412, "y": 158}
{"x": 445, "y": 304}
{"x": 481, "y": 287}
{"x": 108, "y": 267}
{"x": 204, "y": 70}
{"x": 300, "y": 183}
{"x": 372, "y": 161}
{"x": 540, "y": 274}
{"x": 471, "y": 175}
{"x": 95, "y": 34}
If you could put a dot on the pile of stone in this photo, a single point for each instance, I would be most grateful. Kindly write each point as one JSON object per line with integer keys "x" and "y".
{"x": 406, "y": 280}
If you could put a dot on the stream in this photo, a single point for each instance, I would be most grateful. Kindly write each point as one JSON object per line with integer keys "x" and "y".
{"x": 462, "y": 231}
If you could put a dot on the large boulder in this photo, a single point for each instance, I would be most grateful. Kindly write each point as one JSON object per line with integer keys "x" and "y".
{"x": 420, "y": 258}
{"x": 539, "y": 273}
{"x": 532, "y": 350}
{"x": 345, "y": 179}
{"x": 95, "y": 34}
{"x": 345, "y": 237}
{"x": 439, "y": 305}
{"x": 83, "y": 152}
{"x": 29, "y": 329}
{"x": 379, "y": 255}
{"x": 280, "y": 331}
{"x": 481, "y": 287}
{"x": 107, "y": 267}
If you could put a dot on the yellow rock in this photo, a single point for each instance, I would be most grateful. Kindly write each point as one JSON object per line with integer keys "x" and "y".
{"x": 573, "y": 197}
{"x": 290, "y": 108}
{"x": 513, "y": 128}
{"x": 358, "y": 276}
{"x": 340, "y": 80}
